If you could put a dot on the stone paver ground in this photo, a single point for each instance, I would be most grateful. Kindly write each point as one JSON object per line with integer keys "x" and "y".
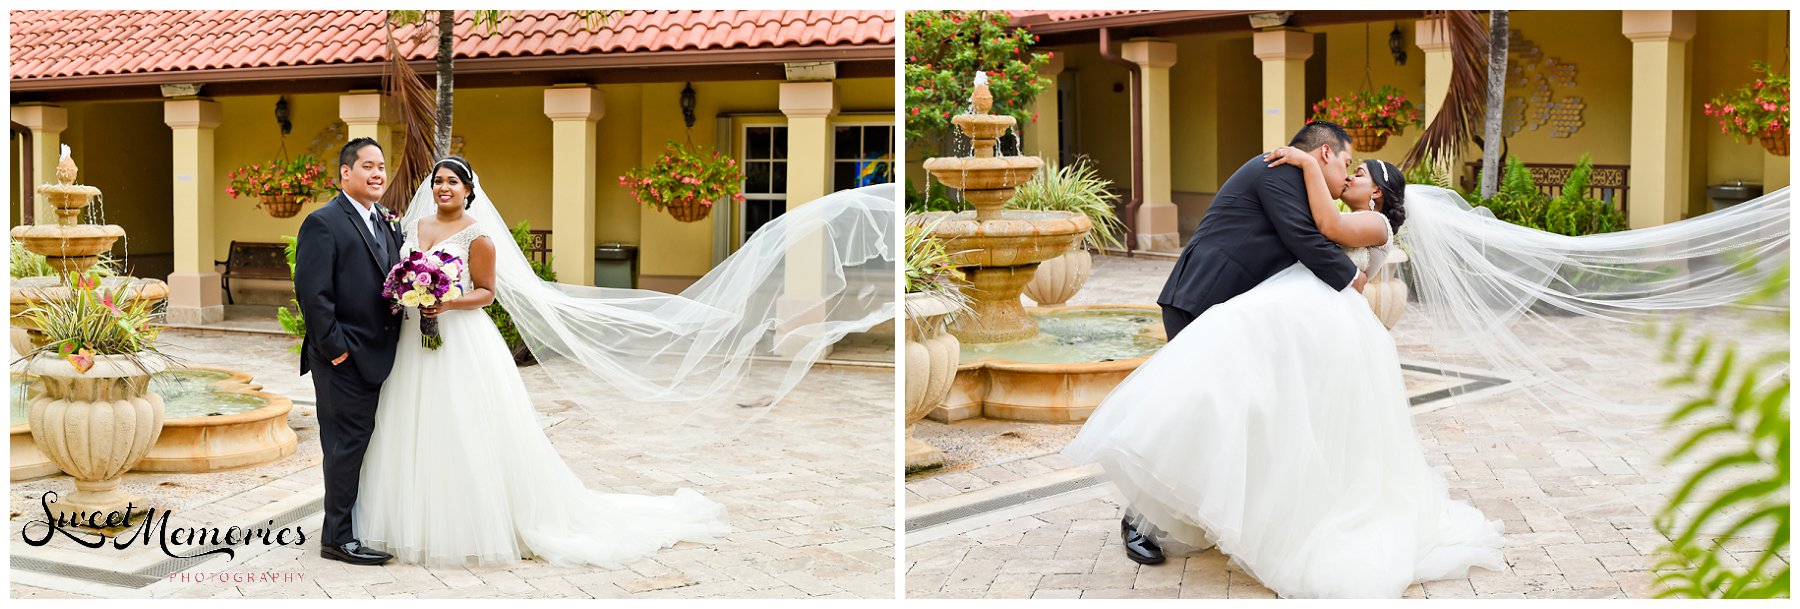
{"x": 1576, "y": 486}
{"x": 809, "y": 486}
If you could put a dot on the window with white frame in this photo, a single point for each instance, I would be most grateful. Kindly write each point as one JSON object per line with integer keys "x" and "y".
{"x": 765, "y": 176}
{"x": 862, "y": 154}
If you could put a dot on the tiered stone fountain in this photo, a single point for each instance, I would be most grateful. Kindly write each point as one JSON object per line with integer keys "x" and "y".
{"x": 1009, "y": 369}
{"x": 998, "y": 249}
{"x": 220, "y": 419}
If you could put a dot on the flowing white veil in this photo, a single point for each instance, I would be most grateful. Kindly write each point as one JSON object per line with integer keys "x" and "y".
{"x": 824, "y": 269}
{"x": 1497, "y": 289}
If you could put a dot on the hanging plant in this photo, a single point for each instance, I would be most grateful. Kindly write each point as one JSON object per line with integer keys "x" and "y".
{"x": 1370, "y": 116}
{"x": 1758, "y": 112}
{"x": 686, "y": 181}
{"x": 282, "y": 185}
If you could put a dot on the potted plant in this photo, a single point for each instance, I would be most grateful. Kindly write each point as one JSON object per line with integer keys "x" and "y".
{"x": 934, "y": 298}
{"x": 685, "y": 181}
{"x": 281, "y": 186}
{"x": 1370, "y": 116}
{"x": 1756, "y": 112}
{"x": 1073, "y": 188}
{"x": 96, "y": 417}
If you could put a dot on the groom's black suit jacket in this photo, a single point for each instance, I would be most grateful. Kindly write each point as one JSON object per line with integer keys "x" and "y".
{"x": 1258, "y": 224}
{"x": 338, "y": 273}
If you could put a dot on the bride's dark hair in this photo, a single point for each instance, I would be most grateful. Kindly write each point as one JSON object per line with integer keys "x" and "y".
{"x": 462, "y": 170}
{"x": 1392, "y": 184}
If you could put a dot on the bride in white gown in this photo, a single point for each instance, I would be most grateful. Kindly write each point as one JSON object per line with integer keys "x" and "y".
{"x": 458, "y": 471}
{"x": 1276, "y": 425}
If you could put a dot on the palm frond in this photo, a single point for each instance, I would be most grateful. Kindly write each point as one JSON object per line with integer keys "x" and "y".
{"x": 412, "y": 101}
{"x": 1459, "y": 118}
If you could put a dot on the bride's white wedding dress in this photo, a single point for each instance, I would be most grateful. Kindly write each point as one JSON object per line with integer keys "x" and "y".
{"x": 1276, "y": 427}
{"x": 459, "y": 472}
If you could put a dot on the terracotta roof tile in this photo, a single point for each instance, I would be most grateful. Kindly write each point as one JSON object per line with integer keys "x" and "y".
{"x": 78, "y": 43}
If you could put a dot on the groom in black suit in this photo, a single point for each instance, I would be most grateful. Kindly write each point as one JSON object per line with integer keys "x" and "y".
{"x": 1257, "y": 225}
{"x": 344, "y": 252}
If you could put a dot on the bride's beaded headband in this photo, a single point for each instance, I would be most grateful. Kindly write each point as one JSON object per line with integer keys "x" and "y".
{"x": 471, "y": 172}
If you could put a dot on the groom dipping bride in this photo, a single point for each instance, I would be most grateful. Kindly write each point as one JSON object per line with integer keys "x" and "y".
{"x": 1274, "y": 424}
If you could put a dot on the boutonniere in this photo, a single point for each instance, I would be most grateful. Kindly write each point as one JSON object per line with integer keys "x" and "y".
{"x": 393, "y": 219}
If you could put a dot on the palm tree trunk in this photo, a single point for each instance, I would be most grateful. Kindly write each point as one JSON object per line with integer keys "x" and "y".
{"x": 1496, "y": 103}
{"x": 446, "y": 77}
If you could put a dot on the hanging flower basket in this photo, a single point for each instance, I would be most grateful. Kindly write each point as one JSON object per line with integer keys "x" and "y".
{"x": 281, "y": 186}
{"x": 689, "y": 209}
{"x": 282, "y": 206}
{"x": 1776, "y": 143}
{"x": 1367, "y": 139}
{"x": 1757, "y": 112}
{"x": 686, "y": 181}
{"x": 1369, "y": 116}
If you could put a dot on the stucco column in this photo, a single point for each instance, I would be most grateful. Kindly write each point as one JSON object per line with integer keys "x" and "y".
{"x": 1777, "y": 171}
{"x": 195, "y": 296}
{"x": 1433, "y": 37}
{"x": 575, "y": 112}
{"x": 809, "y": 107}
{"x": 361, "y": 112}
{"x": 1283, "y": 53}
{"x": 1042, "y": 139}
{"x": 1659, "y": 116}
{"x": 1158, "y": 223}
{"x": 47, "y": 123}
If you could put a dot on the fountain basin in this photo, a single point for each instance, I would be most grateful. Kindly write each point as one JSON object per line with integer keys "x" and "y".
{"x": 1062, "y": 374}
{"x": 999, "y": 256}
{"x": 250, "y": 427}
{"x": 983, "y": 173}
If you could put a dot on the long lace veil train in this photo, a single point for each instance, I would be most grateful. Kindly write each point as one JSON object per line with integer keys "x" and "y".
{"x": 742, "y": 336}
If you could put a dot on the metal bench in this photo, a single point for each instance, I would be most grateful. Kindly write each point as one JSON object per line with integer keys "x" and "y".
{"x": 254, "y": 260}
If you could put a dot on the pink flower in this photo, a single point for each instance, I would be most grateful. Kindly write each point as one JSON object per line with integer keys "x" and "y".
{"x": 82, "y": 360}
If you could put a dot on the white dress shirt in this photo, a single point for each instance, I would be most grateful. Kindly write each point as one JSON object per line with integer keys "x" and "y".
{"x": 362, "y": 211}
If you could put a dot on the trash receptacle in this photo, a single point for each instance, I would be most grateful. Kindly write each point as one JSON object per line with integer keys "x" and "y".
{"x": 1732, "y": 193}
{"x": 615, "y": 265}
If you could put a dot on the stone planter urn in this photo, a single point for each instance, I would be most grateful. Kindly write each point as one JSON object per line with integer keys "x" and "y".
{"x": 1058, "y": 279}
{"x": 932, "y": 353}
{"x": 95, "y": 426}
{"x": 1386, "y": 292}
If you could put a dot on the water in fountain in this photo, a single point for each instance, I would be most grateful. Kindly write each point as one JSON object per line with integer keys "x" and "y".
{"x": 1078, "y": 335}
{"x": 185, "y": 393}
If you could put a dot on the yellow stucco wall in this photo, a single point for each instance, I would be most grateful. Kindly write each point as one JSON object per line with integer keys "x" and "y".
{"x": 1725, "y": 42}
{"x": 123, "y": 149}
{"x": 1345, "y": 50}
{"x": 1215, "y": 80}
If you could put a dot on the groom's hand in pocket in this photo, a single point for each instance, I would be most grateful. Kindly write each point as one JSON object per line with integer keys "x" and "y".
{"x": 340, "y": 359}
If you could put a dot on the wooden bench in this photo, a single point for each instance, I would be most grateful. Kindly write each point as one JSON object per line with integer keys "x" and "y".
{"x": 1609, "y": 183}
{"x": 254, "y": 260}
{"x": 539, "y": 247}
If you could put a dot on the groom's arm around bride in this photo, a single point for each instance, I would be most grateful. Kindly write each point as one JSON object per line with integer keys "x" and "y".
{"x": 1257, "y": 225}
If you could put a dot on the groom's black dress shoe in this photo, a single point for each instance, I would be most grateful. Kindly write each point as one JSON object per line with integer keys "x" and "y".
{"x": 1138, "y": 546}
{"x": 355, "y": 553}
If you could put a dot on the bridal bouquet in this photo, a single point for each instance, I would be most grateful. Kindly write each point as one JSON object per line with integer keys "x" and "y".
{"x": 423, "y": 280}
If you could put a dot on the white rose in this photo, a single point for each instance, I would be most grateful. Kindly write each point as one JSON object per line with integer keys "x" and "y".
{"x": 409, "y": 299}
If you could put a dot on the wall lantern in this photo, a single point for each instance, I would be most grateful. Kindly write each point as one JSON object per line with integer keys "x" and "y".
{"x": 281, "y": 115}
{"x": 1397, "y": 45}
{"x": 687, "y": 104}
